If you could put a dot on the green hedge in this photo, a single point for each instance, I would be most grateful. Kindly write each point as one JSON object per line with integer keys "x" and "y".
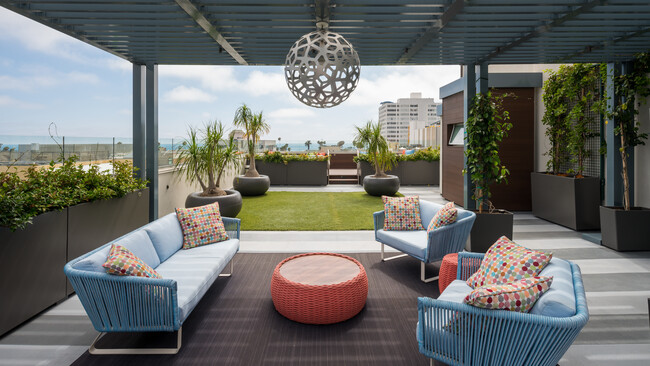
{"x": 278, "y": 157}
{"x": 428, "y": 154}
{"x": 55, "y": 187}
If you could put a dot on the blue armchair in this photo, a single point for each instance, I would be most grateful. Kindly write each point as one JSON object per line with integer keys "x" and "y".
{"x": 498, "y": 337}
{"x": 426, "y": 247}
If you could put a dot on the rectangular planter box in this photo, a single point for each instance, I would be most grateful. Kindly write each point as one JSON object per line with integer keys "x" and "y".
{"x": 488, "y": 228}
{"x": 31, "y": 268}
{"x": 570, "y": 202}
{"x": 307, "y": 173}
{"x": 93, "y": 224}
{"x": 420, "y": 172}
{"x": 32, "y": 260}
{"x": 277, "y": 172}
{"x": 625, "y": 230}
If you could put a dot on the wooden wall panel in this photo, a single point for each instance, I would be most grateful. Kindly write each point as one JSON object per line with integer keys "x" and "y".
{"x": 452, "y": 161}
{"x": 517, "y": 151}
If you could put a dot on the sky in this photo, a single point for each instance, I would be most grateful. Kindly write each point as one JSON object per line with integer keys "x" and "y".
{"x": 47, "y": 76}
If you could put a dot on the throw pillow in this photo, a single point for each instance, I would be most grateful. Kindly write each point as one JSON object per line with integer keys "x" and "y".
{"x": 402, "y": 213}
{"x": 507, "y": 261}
{"x": 201, "y": 225}
{"x": 123, "y": 262}
{"x": 519, "y": 295}
{"x": 448, "y": 214}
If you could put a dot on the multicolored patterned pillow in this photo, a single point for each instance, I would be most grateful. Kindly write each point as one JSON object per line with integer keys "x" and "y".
{"x": 123, "y": 262}
{"x": 448, "y": 214}
{"x": 201, "y": 225}
{"x": 402, "y": 213}
{"x": 507, "y": 261}
{"x": 518, "y": 296}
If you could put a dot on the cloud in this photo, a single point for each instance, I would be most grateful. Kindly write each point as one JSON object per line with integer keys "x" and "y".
{"x": 81, "y": 77}
{"x": 184, "y": 94}
{"x": 15, "y": 103}
{"x": 119, "y": 64}
{"x": 290, "y": 113}
{"x": 45, "y": 79}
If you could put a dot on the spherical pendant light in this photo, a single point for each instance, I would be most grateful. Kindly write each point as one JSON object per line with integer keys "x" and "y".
{"x": 322, "y": 69}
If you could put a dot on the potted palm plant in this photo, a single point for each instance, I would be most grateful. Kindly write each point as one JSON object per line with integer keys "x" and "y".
{"x": 203, "y": 160}
{"x": 569, "y": 197}
{"x": 626, "y": 228}
{"x": 369, "y": 136}
{"x": 251, "y": 183}
{"x": 486, "y": 127}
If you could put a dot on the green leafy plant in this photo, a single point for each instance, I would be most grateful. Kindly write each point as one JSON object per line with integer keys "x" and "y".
{"x": 627, "y": 87}
{"x": 203, "y": 159}
{"x": 254, "y": 125}
{"x": 428, "y": 154}
{"x": 369, "y": 136}
{"x": 486, "y": 127}
{"x": 570, "y": 93}
{"x": 280, "y": 158}
{"x": 58, "y": 186}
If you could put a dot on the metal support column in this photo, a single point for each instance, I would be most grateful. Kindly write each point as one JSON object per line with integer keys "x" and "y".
{"x": 139, "y": 122}
{"x": 469, "y": 73}
{"x": 152, "y": 138}
{"x": 613, "y": 177}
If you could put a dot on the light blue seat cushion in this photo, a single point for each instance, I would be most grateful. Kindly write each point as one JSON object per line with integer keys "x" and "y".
{"x": 428, "y": 211}
{"x": 456, "y": 291}
{"x": 194, "y": 271}
{"x": 137, "y": 242}
{"x": 412, "y": 242}
{"x": 166, "y": 235}
{"x": 559, "y": 301}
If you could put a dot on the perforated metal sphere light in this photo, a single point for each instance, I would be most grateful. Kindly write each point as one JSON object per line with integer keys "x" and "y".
{"x": 322, "y": 69}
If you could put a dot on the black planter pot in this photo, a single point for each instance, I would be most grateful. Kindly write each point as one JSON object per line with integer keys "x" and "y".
{"x": 625, "y": 230}
{"x": 229, "y": 205}
{"x": 31, "y": 268}
{"x": 568, "y": 201}
{"x": 488, "y": 228}
{"x": 93, "y": 224}
{"x": 277, "y": 172}
{"x": 385, "y": 186}
{"x": 251, "y": 186}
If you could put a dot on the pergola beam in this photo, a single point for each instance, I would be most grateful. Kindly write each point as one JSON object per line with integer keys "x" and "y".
{"x": 542, "y": 29}
{"x": 604, "y": 44}
{"x": 431, "y": 32}
{"x": 204, "y": 23}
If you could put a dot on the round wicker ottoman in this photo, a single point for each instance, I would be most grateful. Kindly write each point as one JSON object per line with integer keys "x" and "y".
{"x": 448, "y": 270}
{"x": 319, "y": 288}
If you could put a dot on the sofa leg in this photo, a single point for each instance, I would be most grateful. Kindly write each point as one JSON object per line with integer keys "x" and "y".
{"x": 231, "y": 268}
{"x": 384, "y": 259}
{"x": 423, "y": 278}
{"x": 136, "y": 351}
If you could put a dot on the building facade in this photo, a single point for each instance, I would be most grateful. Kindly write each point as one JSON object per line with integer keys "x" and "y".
{"x": 408, "y": 114}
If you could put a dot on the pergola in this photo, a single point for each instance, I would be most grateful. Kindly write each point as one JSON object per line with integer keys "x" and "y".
{"x": 473, "y": 33}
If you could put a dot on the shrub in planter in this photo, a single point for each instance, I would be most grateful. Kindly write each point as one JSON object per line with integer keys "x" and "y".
{"x": 569, "y": 198}
{"x": 419, "y": 168}
{"x": 202, "y": 160}
{"x": 616, "y": 233}
{"x": 294, "y": 169}
{"x": 486, "y": 127}
{"x": 369, "y": 136}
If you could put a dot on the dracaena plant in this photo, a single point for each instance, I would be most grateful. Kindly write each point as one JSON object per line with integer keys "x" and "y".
{"x": 486, "y": 127}
{"x": 254, "y": 125}
{"x": 370, "y": 138}
{"x": 630, "y": 90}
{"x": 205, "y": 155}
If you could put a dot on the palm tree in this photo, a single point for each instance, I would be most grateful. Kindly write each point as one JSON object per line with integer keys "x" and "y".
{"x": 255, "y": 125}
{"x": 203, "y": 160}
{"x": 369, "y": 136}
{"x": 308, "y": 144}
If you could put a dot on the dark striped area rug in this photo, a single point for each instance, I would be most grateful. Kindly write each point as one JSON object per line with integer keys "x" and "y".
{"x": 236, "y": 324}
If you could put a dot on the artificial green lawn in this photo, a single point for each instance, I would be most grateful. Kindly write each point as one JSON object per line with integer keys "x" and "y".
{"x": 309, "y": 211}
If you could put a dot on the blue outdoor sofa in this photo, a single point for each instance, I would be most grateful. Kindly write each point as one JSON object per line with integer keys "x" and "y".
{"x": 497, "y": 337}
{"x": 428, "y": 247}
{"x": 141, "y": 304}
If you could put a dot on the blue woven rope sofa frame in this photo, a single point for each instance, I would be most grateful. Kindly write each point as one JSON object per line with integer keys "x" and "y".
{"x": 137, "y": 304}
{"x": 426, "y": 247}
{"x": 496, "y": 337}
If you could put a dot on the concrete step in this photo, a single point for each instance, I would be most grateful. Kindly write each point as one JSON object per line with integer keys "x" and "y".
{"x": 343, "y": 180}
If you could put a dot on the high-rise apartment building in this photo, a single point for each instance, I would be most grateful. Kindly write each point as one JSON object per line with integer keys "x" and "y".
{"x": 412, "y": 113}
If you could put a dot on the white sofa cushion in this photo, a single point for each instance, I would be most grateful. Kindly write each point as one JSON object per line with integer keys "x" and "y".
{"x": 411, "y": 242}
{"x": 137, "y": 242}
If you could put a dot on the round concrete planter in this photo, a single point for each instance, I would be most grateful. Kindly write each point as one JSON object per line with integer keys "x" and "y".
{"x": 229, "y": 205}
{"x": 251, "y": 186}
{"x": 387, "y": 186}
